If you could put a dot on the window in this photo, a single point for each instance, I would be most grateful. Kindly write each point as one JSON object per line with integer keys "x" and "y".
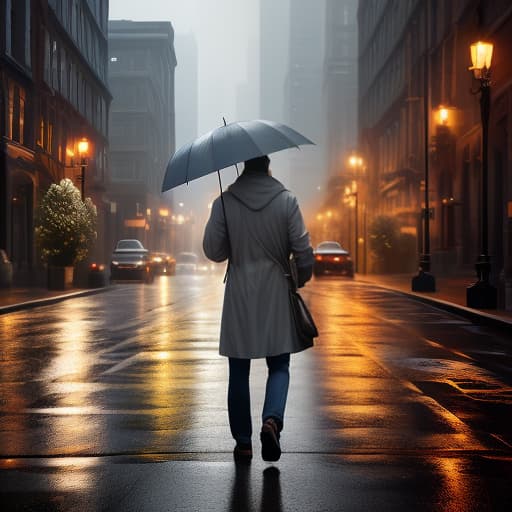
{"x": 14, "y": 111}
{"x": 63, "y": 74}
{"x": 18, "y": 46}
{"x": 47, "y": 58}
{"x": 55, "y": 66}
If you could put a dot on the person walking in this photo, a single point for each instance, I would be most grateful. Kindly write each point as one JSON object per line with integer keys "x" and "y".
{"x": 261, "y": 228}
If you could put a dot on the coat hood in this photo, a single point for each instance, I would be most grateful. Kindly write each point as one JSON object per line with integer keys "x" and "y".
{"x": 256, "y": 189}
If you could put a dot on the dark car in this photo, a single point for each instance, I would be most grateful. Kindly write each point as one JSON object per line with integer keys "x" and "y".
{"x": 162, "y": 263}
{"x": 130, "y": 261}
{"x": 331, "y": 258}
{"x": 129, "y": 245}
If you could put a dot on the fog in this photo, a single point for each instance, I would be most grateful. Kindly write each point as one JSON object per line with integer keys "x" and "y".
{"x": 253, "y": 59}
{"x": 223, "y": 32}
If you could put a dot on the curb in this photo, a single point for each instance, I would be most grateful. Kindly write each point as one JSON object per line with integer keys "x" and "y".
{"x": 474, "y": 315}
{"x": 46, "y": 301}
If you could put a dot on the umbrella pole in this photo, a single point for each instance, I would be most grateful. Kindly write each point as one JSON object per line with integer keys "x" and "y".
{"x": 227, "y": 230}
{"x": 236, "y": 165}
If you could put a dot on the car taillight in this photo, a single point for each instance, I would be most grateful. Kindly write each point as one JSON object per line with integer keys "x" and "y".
{"x": 318, "y": 257}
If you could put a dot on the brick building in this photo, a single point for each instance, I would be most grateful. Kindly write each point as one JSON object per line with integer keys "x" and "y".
{"x": 53, "y": 67}
{"x": 413, "y": 66}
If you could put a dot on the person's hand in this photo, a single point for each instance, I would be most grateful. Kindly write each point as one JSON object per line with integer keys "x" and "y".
{"x": 304, "y": 275}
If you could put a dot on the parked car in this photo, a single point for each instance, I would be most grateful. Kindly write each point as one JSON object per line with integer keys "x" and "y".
{"x": 187, "y": 263}
{"x": 130, "y": 261}
{"x": 331, "y": 258}
{"x": 5, "y": 270}
{"x": 163, "y": 263}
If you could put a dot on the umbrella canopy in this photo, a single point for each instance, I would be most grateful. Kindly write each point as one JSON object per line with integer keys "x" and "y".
{"x": 226, "y": 146}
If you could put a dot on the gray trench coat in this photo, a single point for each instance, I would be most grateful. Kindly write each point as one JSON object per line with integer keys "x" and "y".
{"x": 256, "y": 317}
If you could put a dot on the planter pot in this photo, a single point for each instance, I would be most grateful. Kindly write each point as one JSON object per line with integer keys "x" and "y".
{"x": 60, "y": 278}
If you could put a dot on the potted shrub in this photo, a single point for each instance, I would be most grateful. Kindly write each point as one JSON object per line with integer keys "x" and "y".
{"x": 65, "y": 230}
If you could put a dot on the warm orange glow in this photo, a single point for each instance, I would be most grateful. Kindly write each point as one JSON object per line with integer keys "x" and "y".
{"x": 481, "y": 55}
{"x": 355, "y": 161}
{"x": 443, "y": 115}
{"x": 318, "y": 257}
{"x": 163, "y": 212}
{"x": 83, "y": 147}
{"x": 70, "y": 152}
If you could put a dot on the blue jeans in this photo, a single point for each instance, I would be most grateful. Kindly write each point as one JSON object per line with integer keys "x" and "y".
{"x": 239, "y": 398}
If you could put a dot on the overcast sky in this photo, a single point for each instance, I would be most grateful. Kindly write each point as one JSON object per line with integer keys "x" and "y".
{"x": 225, "y": 31}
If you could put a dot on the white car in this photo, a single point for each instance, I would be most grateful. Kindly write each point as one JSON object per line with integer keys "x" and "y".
{"x": 187, "y": 263}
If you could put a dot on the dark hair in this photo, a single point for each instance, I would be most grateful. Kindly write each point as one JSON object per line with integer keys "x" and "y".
{"x": 260, "y": 163}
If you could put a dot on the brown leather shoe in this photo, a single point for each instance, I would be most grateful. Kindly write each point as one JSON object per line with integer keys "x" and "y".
{"x": 270, "y": 447}
{"x": 242, "y": 453}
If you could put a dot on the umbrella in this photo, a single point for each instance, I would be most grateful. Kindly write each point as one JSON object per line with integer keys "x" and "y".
{"x": 226, "y": 146}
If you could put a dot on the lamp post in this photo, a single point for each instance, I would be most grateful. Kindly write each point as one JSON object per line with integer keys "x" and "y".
{"x": 425, "y": 280}
{"x": 482, "y": 294}
{"x": 351, "y": 193}
{"x": 357, "y": 163}
{"x": 83, "y": 151}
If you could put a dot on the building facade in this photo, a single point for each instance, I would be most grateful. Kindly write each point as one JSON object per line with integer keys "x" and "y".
{"x": 142, "y": 128}
{"x": 340, "y": 71}
{"x": 416, "y": 113}
{"x": 304, "y": 100}
{"x": 53, "y": 93}
{"x": 338, "y": 217}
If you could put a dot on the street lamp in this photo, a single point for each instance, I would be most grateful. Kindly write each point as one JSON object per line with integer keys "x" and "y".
{"x": 482, "y": 294}
{"x": 425, "y": 280}
{"x": 83, "y": 151}
{"x": 356, "y": 162}
{"x": 352, "y": 199}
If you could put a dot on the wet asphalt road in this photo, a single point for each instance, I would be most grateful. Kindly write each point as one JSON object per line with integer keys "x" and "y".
{"x": 116, "y": 401}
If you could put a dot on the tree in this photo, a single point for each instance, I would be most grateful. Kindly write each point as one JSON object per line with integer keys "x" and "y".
{"x": 65, "y": 225}
{"x": 392, "y": 250}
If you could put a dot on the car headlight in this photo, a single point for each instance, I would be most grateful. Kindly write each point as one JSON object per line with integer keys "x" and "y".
{"x": 115, "y": 263}
{"x": 157, "y": 259}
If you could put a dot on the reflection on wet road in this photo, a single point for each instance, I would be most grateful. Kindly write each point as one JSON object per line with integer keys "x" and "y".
{"x": 133, "y": 375}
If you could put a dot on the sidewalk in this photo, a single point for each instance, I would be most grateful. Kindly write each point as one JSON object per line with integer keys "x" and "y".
{"x": 15, "y": 299}
{"x": 450, "y": 295}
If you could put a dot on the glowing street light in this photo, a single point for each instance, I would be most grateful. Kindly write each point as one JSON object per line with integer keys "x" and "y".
{"x": 481, "y": 57}
{"x": 443, "y": 115}
{"x": 482, "y": 294}
{"x": 83, "y": 152}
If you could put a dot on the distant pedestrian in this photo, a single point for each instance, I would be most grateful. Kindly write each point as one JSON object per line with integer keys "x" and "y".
{"x": 264, "y": 226}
